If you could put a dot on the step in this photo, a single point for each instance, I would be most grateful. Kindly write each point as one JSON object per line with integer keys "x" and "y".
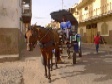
{"x": 9, "y": 58}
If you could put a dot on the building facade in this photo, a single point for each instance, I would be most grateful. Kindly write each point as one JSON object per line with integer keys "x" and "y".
{"x": 94, "y": 16}
{"x": 11, "y": 27}
{"x": 53, "y": 24}
{"x": 27, "y": 13}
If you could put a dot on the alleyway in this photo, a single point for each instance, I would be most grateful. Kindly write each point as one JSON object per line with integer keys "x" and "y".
{"x": 90, "y": 69}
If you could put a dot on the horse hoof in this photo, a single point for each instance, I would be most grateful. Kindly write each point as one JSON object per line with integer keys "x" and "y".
{"x": 56, "y": 67}
{"x": 45, "y": 76}
{"x": 49, "y": 80}
{"x": 69, "y": 57}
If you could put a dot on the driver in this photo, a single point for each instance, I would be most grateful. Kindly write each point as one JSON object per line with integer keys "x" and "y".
{"x": 65, "y": 27}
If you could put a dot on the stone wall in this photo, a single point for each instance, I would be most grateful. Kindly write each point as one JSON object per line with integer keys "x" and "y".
{"x": 9, "y": 41}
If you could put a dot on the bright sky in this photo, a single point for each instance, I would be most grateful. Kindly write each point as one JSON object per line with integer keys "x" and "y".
{"x": 41, "y": 9}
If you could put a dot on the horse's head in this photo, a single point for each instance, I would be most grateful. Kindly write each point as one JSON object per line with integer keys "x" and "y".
{"x": 43, "y": 35}
{"x": 31, "y": 39}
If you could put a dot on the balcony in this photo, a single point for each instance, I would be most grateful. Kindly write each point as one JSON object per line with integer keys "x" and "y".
{"x": 103, "y": 11}
{"x": 82, "y": 3}
{"x": 27, "y": 1}
{"x": 27, "y": 13}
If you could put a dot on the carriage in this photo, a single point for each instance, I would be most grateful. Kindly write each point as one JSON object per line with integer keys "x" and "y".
{"x": 49, "y": 40}
{"x": 74, "y": 43}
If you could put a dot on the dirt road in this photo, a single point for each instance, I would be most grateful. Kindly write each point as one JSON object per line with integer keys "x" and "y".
{"x": 90, "y": 69}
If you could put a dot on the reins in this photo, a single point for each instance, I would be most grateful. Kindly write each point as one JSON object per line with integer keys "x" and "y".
{"x": 42, "y": 45}
{"x": 45, "y": 35}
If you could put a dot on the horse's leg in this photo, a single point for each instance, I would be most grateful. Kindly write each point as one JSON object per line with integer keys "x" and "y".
{"x": 51, "y": 61}
{"x": 49, "y": 74}
{"x": 33, "y": 44}
{"x": 68, "y": 51}
{"x": 63, "y": 39}
{"x": 57, "y": 57}
{"x": 45, "y": 66}
{"x": 45, "y": 62}
{"x": 56, "y": 60}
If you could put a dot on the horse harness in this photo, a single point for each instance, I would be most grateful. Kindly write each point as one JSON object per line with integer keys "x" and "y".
{"x": 50, "y": 43}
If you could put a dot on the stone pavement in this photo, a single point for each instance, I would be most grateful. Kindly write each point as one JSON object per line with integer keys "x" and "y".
{"x": 102, "y": 46}
{"x": 28, "y": 70}
{"x": 92, "y": 68}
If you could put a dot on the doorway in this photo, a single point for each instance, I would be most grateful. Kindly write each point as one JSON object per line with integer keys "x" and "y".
{"x": 91, "y": 31}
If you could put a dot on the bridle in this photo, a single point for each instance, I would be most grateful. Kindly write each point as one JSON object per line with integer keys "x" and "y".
{"x": 42, "y": 45}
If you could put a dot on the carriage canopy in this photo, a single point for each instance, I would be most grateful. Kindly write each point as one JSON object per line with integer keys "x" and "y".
{"x": 57, "y": 16}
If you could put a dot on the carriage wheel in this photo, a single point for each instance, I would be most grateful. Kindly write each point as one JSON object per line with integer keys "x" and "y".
{"x": 80, "y": 53}
{"x": 74, "y": 57}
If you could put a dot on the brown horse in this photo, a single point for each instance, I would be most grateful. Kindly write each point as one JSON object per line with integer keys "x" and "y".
{"x": 48, "y": 40}
{"x": 31, "y": 38}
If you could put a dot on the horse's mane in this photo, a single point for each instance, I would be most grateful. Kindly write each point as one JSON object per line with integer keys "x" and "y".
{"x": 45, "y": 30}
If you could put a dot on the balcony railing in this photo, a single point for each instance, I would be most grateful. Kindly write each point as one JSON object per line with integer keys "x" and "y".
{"x": 26, "y": 11}
{"x": 26, "y": 8}
{"x": 104, "y": 10}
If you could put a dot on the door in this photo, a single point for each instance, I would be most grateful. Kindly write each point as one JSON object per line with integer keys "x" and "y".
{"x": 88, "y": 34}
{"x": 93, "y": 33}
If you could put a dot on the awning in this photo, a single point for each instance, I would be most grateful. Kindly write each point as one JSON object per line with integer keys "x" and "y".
{"x": 57, "y": 15}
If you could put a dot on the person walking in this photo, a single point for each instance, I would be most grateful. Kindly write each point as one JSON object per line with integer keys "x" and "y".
{"x": 97, "y": 42}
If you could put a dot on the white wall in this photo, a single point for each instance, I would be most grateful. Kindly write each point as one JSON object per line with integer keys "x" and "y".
{"x": 97, "y": 5}
{"x": 109, "y": 23}
{"x": 10, "y": 13}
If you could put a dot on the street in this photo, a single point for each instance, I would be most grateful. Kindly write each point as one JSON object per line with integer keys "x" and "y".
{"x": 91, "y": 68}
{"x": 50, "y": 23}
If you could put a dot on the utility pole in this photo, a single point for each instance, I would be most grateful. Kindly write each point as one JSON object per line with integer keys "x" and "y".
{"x": 62, "y": 4}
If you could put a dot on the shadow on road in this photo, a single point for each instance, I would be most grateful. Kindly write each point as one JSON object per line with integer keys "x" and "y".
{"x": 99, "y": 65}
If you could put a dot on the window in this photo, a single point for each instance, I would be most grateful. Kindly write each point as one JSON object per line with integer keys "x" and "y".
{"x": 86, "y": 8}
{"x": 104, "y": 29}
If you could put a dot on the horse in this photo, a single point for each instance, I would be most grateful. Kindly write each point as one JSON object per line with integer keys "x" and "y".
{"x": 48, "y": 40}
{"x": 31, "y": 38}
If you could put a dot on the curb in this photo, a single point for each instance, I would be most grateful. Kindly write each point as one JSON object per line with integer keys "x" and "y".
{"x": 9, "y": 58}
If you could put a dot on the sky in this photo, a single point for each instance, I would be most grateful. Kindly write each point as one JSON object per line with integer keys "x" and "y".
{"x": 41, "y": 9}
